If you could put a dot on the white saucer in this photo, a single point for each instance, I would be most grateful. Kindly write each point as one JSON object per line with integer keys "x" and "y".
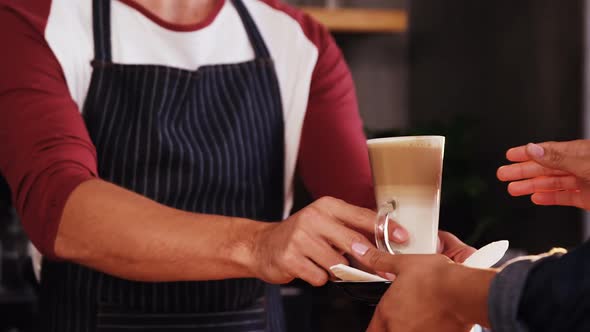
{"x": 485, "y": 257}
{"x": 488, "y": 255}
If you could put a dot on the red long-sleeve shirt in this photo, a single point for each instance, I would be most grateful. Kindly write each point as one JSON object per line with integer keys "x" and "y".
{"x": 45, "y": 149}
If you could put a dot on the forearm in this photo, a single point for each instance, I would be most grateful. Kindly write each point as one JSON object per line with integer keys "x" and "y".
{"x": 124, "y": 234}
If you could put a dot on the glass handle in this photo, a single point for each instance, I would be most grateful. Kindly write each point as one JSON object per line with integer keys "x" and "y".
{"x": 385, "y": 214}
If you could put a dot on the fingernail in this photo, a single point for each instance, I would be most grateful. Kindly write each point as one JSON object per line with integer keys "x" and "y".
{"x": 390, "y": 276}
{"x": 535, "y": 150}
{"x": 400, "y": 234}
{"x": 439, "y": 246}
{"x": 360, "y": 248}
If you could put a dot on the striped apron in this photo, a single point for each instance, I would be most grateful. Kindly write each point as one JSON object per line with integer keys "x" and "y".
{"x": 208, "y": 141}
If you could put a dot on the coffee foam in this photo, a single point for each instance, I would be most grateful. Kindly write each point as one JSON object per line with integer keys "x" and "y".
{"x": 409, "y": 141}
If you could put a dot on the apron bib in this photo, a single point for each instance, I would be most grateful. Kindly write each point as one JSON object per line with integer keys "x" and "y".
{"x": 208, "y": 141}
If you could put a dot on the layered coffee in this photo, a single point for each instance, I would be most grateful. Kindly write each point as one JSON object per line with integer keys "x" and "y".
{"x": 407, "y": 172}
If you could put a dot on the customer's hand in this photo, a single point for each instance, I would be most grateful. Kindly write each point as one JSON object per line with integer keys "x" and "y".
{"x": 450, "y": 246}
{"x": 308, "y": 243}
{"x": 554, "y": 173}
{"x": 430, "y": 293}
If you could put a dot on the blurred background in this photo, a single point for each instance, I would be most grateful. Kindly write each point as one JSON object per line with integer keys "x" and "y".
{"x": 488, "y": 75}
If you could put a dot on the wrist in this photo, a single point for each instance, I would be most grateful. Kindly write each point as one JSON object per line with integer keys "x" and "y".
{"x": 466, "y": 290}
{"x": 244, "y": 243}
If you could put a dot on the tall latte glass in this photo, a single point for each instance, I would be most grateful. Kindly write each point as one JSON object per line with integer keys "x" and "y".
{"x": 407, "y": 175}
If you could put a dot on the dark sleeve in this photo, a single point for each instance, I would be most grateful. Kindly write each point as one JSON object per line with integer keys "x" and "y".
{"x": 556, "y": 296}
{"x": 333, "y": 156}
{"x": 45, "y": 149}
{"x": 546, "y": 293}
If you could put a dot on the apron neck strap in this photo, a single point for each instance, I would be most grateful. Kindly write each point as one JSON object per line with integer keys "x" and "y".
{"x": 254, "y": 35}
{"x": 101, "y": 26}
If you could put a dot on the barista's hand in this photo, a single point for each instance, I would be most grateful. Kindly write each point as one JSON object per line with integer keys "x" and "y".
{"x": 555, "y": 173}
{"x": 308, "y": 243}
{"x": 430, "y": 293}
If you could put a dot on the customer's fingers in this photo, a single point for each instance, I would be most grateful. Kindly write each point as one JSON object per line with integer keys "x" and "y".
{"x": 572, "y": 156}
{"x": 563, "y": 198}
{"x": 385, "y": 262}
{"x": 517, "y": 154}
{"x": 452, "y": 247}
{"x": 525, "y": 170}
{"x": 542, "y": 184}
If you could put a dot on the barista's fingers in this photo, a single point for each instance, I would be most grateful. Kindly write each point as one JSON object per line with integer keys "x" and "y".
{"x": 397, "y": 232}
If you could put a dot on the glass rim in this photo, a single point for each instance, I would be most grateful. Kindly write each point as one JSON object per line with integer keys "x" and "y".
{"x": 405, "y": 138}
